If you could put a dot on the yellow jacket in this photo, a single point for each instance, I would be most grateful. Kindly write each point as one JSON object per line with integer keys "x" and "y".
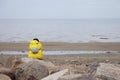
{"x": 38, "y": 46}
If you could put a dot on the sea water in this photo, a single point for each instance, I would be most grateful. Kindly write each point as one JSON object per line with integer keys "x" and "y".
{"x": 60, "y": 30}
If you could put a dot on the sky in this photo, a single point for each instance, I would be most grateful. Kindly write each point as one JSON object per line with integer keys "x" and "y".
{"x": 62, "y": 9}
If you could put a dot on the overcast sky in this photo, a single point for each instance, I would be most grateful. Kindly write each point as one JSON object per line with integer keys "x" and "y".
{"x": 68, "y": 9}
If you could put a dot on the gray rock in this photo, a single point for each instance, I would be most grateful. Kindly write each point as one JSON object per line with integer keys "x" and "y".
{"x": 31, "y": 71}
{"x": 50, "y": 66}
{"x": 108, "y": 71}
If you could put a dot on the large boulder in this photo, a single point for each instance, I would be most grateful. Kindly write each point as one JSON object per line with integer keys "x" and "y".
{"x": 30, "y": 71}
{"x": 107, "y": 71}
{"x": 50, "y": 66}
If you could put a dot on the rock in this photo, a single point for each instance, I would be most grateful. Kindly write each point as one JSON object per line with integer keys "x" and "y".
{"x": 9, "y": 61}
{"x": 83, "y": 68}
{"x": 71, "y": 77}
{"x": 7, "y": 72}
{"x": 107, "y": 71}
{"x": 15, "y": 62}
{"x": 12, "y": 62}
{"x": 1, "y": 65}
{"x": 27, "y": 60}
{"x": 4, "y": 77}
{"x": 56, "y": 75}
{"x": 31, "y": 71}
{"x": 93, "y": 67}
{"x": 50, "y": 66}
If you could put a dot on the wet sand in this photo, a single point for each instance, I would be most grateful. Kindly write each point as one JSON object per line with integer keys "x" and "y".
{"x": 23, "y": 46}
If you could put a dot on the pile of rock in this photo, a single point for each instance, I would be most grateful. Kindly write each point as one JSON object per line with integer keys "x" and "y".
{"x": 30, "y": 69}
{"x": 24, "y": 71}
{"x": 34, "y": 69}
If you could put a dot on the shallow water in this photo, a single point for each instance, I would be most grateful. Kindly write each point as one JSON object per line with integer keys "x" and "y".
{"x": 60, "y": 30}
{"x": 58, "y": 52}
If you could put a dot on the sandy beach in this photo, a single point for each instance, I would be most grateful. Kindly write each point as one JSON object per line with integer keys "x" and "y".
{"x": 77, "y": 63}
{"x": 54, "y": 46}
{"x": 62, "y": 46}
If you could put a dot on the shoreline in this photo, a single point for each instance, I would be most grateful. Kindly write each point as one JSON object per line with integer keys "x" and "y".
{"x": 65, "y": 46}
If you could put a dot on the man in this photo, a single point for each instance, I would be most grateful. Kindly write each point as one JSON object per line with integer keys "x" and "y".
{"x": 35, "y": 49}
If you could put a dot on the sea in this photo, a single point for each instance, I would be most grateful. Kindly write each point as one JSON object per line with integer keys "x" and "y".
{"x": 60, "y": 30}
